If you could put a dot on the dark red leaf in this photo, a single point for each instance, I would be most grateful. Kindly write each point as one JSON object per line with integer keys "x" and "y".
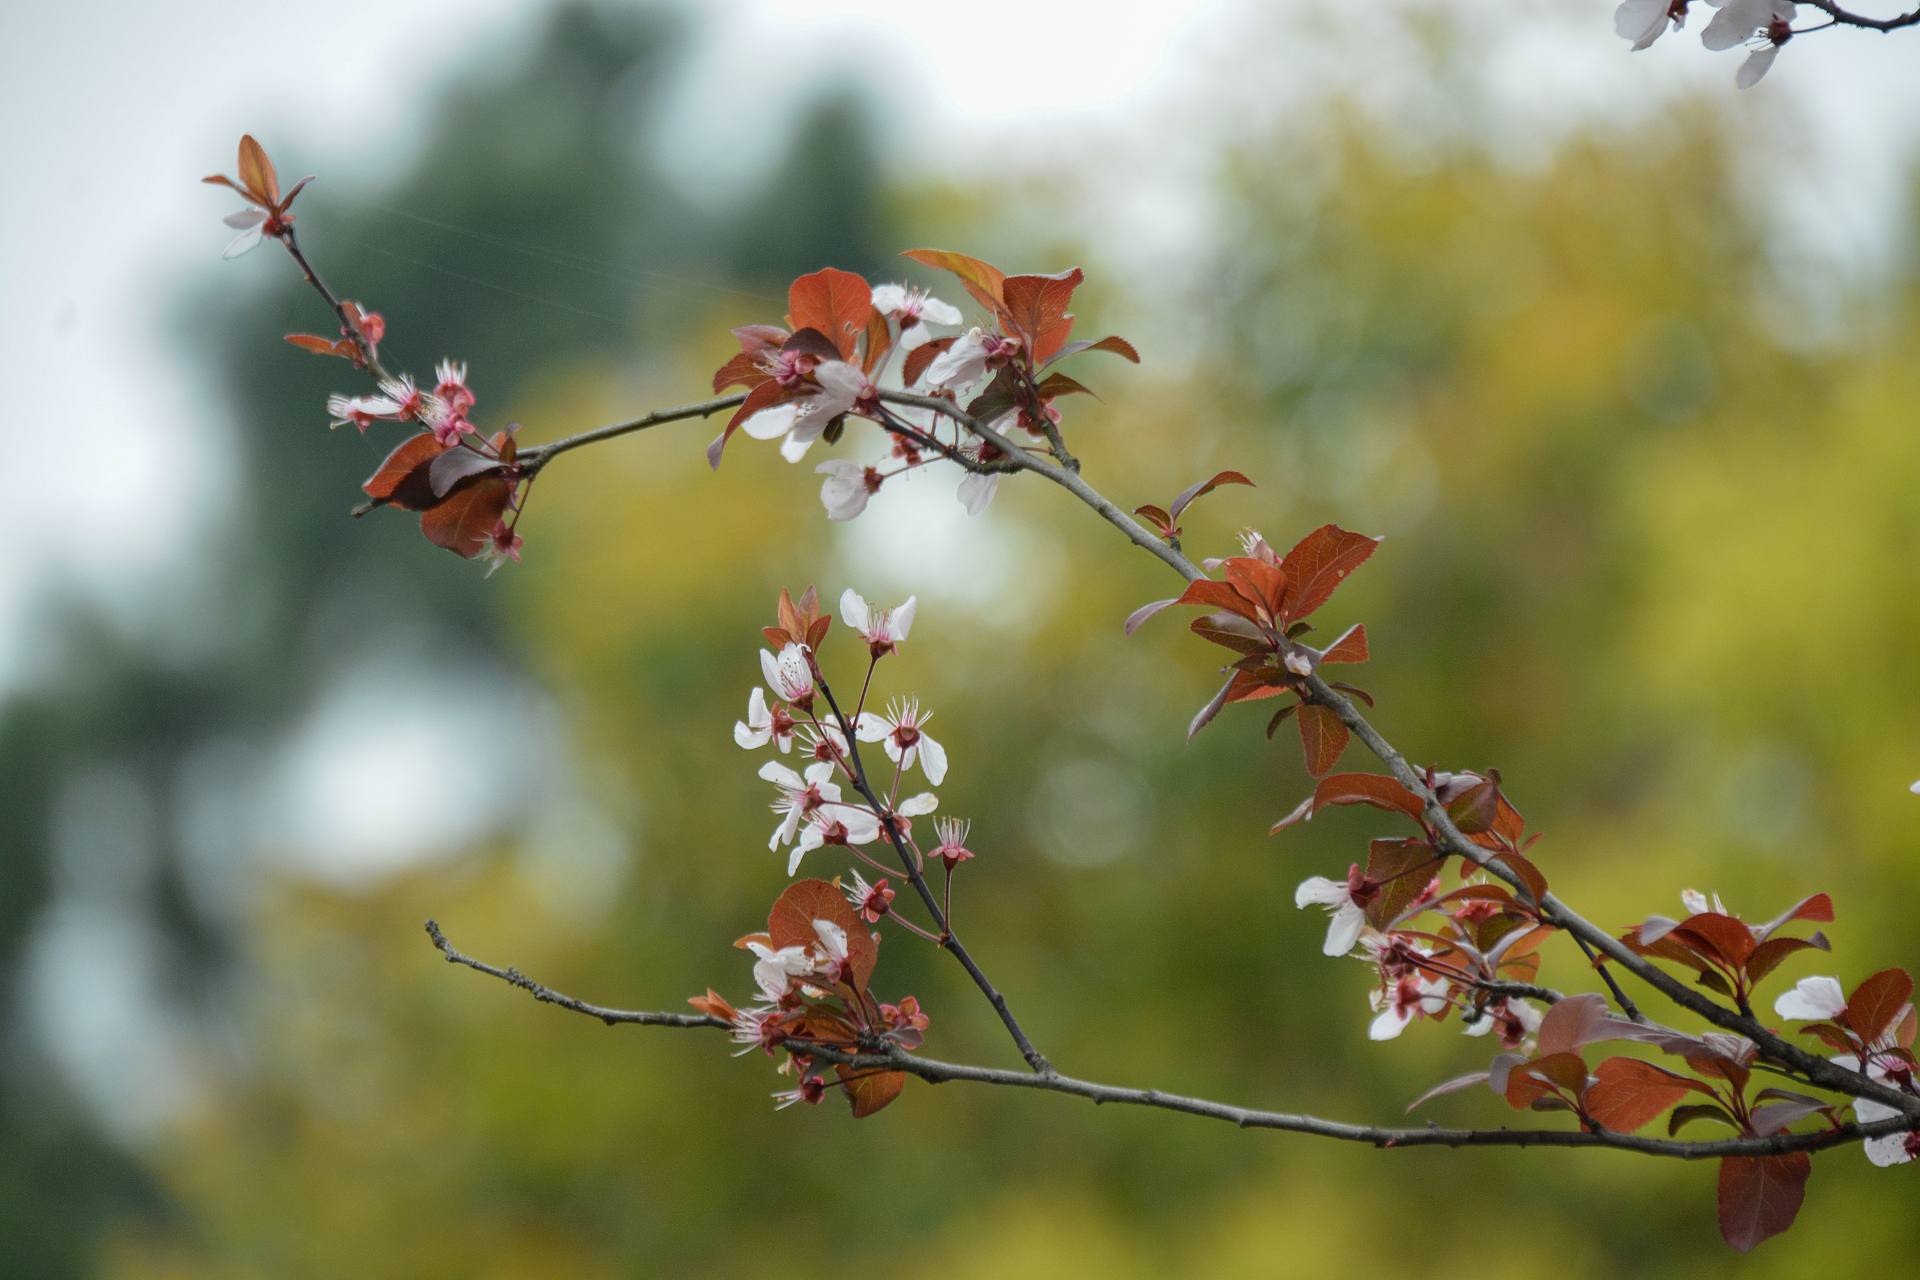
{"x": 402, "y": 480}
{"x": 462, "y": 522}
{"x": 1528, "y": 874}
{"x": 1767, "y": 956}
{"x": 1877, "y": 1001}
{"x": 1760, "y": 1196}
{"x": 1322, "y": 737}
{"x": 1403, "y": 869}
{"x": 1818, "y": 908}
{"x": 1376, "y": 789}
{"x": 1713, "y": 935}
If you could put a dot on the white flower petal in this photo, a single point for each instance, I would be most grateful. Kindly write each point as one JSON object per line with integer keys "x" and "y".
{"x": 1344, "y": 930}
{"x": 1812, "y": 1000}
{"x": 853, "y": 610}
{"x": 933, "y": 759}
{"x": 771, "y": 424}
{"x": 241, "y": 243}
{"x": 1320, "y": 891}
{"x": 1757, "y": 64}
{"x": 937, "y": 311}
{"x": 1388, "y": 1025}
{"x": 976, "y": 491}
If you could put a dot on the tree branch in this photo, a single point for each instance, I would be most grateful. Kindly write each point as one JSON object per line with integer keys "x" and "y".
{"x": 947, "y": 938}
{"x": 934, "y": 1071}
{"x": 1448, "y": 835}
{"x": 1844, "y": 18}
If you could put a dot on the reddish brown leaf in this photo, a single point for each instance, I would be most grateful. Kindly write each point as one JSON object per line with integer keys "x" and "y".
{"x": 1630, "y": 1093}
{"x": 982, "y": 280}
{"x": 1191, "y": 493}
{"x": 1716, "y": 936}
{"x": 1767, "y": 956}
{"x": 1403, "y": 869}
{"x": 462, "y": 521}
{"x": 1376, "y": 789}
{"x": 868, "y": 1090}
{"x": 1322, "y": 737}
{"x": 1036, "y": 306}
{"x": 1117, "y": 345}
{"x": 714, "y": 1005}
{"x": 920, "y": 357}
{"x": 1319, "y": 563}
{"x": 256, "y": 171}
{"x": 879, "y": 338}
{"x": 1217, "y": 595}
{"x": 1528, "y": 874}
{"x": 1533, "y": 1080}
{"x": 1572, "y": 1023}
{"x": 1059, "y": 384}
{"x": 790, "y": 923}
{"x": 765, "y": 396}
{"x": 834, "y": 302}
{"x": 1258, "y": 581}
{"x": 744, "y": 370}
{"x": 1877, "y": 1001}
{"x": 1230, "y": 632}
{"x": 1760, "y": 1196}
{"x": 323, "y": 346}
{"x": 1817, "y": 908}
{"x": 1350, "y": 647}
{"x": 402, "y": 477}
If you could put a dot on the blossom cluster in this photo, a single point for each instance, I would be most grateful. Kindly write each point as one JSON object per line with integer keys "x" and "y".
{"x": 832, "y": 361}
{"x": 1762, "y": 27}
{"x": 812, "y": 964}
{"x": 812, "y": 970}
{"x": 812, "y": 810}
{"x": 468, "y": 487}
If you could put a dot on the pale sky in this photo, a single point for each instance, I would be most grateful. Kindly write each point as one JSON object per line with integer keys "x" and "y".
{"x": 115, "y": 109}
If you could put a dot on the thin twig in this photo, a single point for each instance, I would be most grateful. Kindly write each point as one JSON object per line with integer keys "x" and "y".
{"x": 918, "y": 880}
{"x": 547, "y": 995}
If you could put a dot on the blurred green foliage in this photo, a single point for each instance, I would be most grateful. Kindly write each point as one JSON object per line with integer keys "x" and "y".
{"x": 1644, "y": 554}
